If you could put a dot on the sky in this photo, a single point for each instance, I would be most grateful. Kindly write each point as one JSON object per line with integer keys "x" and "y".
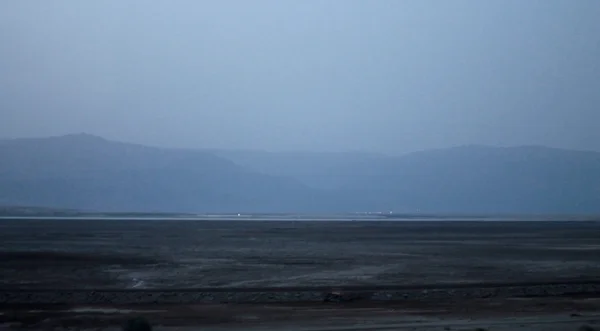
{"x": 389, "y": 76}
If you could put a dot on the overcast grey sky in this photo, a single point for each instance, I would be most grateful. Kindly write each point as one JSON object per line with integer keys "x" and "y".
{"x": 375, "y": 75}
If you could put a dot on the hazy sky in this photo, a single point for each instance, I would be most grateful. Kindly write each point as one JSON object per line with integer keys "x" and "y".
{"x": 390, "y": 76}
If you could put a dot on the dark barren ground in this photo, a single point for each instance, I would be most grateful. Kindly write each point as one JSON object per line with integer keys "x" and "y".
{"x": 127, "y": 254}
{"x": 115, "y": 253}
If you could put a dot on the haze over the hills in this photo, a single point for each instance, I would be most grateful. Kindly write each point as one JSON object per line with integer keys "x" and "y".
{"x": 90, "y": 173}
{"x": 383, "y": 76}
{"x": 283, "y": 105}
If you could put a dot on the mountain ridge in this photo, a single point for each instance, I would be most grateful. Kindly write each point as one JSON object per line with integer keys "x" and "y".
{"x": 82, "y": 171}
{"x": 88, "y": 172}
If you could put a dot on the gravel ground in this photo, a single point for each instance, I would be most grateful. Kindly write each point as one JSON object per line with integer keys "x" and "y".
{"x": 117, "y": 297}
{"x": 535, "y": 314}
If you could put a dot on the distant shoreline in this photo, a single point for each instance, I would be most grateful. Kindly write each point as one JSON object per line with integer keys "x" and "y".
{"x": 41, "y": 213}
{"x": 304, "y": 218}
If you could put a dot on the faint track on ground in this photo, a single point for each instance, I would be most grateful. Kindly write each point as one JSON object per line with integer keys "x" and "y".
{"x": 388, "y": 293}
{"x": 324, "y": 288}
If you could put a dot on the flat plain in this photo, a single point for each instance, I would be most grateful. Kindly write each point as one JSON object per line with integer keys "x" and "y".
{"x": 117, "y": 253}
{"x": 174, "y": 254}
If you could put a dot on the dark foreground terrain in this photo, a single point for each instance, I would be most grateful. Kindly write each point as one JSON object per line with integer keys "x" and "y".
{"x": 524, "y": 314}
{"x": 141, "y": 254}
{"x": 47, "y": 265}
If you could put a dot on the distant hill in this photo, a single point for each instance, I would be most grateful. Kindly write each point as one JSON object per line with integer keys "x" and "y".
{"x": 466, "y": 179}
{"x": 481, "y": 179}
{"x": 86, "y": 172}
{"x": 90, "y": 173}
{"x": 315, "y": 169}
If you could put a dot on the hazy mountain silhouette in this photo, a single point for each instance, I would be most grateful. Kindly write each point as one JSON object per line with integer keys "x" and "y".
{"x": 487, "y": 179}
{"x": 475, "y": 179}
{"x": 87, "y": 172}
{"x": 315, "y": 169}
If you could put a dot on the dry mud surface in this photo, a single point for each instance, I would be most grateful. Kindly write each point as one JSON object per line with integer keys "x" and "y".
{"x": 136, "y": 254}
{"x": 535, "y": 314}
{"x": 64, "y": 255}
